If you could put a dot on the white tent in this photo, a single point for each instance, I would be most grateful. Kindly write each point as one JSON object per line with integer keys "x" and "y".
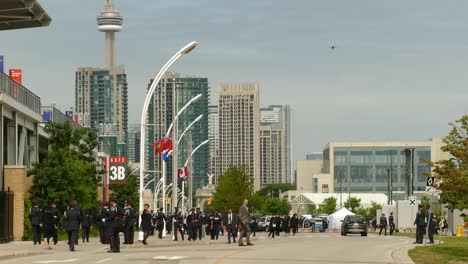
{"x": 334, "y": 220}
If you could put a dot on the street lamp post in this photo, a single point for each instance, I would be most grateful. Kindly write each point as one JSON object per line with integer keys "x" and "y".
{"x": 144, "y": 114}
{"x": 190, "y": 183}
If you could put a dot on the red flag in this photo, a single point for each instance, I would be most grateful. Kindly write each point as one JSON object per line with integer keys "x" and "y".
{"x": 159, "y": 146}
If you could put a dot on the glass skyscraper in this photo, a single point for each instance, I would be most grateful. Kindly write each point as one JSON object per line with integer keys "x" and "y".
{"x": 160, "y": 118}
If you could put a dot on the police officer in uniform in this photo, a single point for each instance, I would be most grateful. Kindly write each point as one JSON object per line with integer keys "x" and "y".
{"x": 420, "y": 222}
{"x": 129, "y": 221}
{"x": 190, "y": 220}
{"x": 178, "y": 223}
{"x": 72, "y": 219}
{"x": 103, "y": 225}
{"x": 35, "y": 216}
{"x": 383, "y": 224}
{"x": 115, "y": 219}
{"x": 198, "y": 223}
{"x": 160, "y": 220}
{"x": 215, "y": 226}
{"x": 391, "y": 223}
{"x": 56, "y": 216}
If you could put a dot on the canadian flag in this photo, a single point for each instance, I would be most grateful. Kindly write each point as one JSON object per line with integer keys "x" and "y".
{"x": 182, "y": 173}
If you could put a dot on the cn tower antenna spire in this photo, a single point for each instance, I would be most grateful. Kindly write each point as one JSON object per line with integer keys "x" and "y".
{"x": 109, "y": 22}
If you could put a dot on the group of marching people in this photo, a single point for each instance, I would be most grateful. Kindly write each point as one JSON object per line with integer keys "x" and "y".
{"x": 284, "y": 224}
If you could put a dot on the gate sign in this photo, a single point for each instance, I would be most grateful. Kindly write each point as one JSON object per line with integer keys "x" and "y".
{"x": 412, "y": 200}
{"x": 117, "y": 170}
{"x": 429, "y": 183}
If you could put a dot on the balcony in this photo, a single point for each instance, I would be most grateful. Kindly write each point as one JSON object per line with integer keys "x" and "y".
{"x": 19, "y": 93}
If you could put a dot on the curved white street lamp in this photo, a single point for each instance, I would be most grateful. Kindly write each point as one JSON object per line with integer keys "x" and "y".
{"x": 144, "y": 114}
{"x": 188, "y": 127}
{"x": 190, "y": 183}
{"x": 164, "y": 168}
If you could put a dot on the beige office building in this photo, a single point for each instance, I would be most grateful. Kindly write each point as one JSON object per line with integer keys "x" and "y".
{"x": 239, "y": 128}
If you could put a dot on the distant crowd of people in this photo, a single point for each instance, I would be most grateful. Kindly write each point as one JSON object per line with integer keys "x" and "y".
{"x": 113, "y": 219}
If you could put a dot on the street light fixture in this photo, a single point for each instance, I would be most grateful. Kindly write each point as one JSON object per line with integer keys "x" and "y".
{"x": 144, "y": 114}
{"x": 189, "y": 126}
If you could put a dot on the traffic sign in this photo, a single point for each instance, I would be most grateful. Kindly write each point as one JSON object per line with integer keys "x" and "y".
{"x": 429, "y": 183}
{"x": 412, "y": 200}
{"x": 168, "y": 200}
{"x": 208, "y": 201}
{"x": 117, "y": 170}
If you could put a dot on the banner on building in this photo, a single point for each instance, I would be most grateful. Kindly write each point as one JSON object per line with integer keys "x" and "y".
{"x": 16, "y": 75}
{"x": 1, "y": 64}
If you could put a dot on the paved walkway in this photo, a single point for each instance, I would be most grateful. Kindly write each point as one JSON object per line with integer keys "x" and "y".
{"x": 317, "y": 248}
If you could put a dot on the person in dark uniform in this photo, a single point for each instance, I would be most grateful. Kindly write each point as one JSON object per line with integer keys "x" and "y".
{"x": 383, "y": 224}
{"x": 178, "y": 224}
{"x": 78, "y": 208}
{"x": 146, "y": 224}
{"x": 169, "y": 221}
{"x": 160, "y": 221}
{"x": 253, "y": 225}
{"x": 420, "y": 223}
{"x": 391, "y": 223}
{"x": 103, "y": 225}
{"x": 215, "y": 226}
{"x": 72, "y": 218}
{"x": 209, "y": 220}
{"x": 294, "y": 224}
{"x": 272, "y": 227}
{"x": 431, "y": 221}
{"x": 278, "y": 224}
{"x": 285, "y": 225}
{"x": 115, "y": 219}
{"x": 129, "y": 221}
{"x": 35, "y": 216}
{"x": 191, "y": 229}
{"x": 85, "y": 225}
{"x": 47, "y": 226}
{"x": 198, "y": 223}
{"x": 231, "y": 223}
{"x": 56, "y": 216}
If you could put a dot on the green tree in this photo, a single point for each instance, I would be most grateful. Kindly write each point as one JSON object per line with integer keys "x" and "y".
{"x": 234, "y": 185}
{"x": 362, "y": 211}
{"x": 67, "y": 168}
{"x": 372, "y": 210}
{"x": 275, "y": 206}
{"x": 127, "y": 191}
{"x": 452, "y": 174}
{"x": 257, "y": 202}
{"x": 352, "y": 203}
{"x": 274, "y": 190}
{"x": 328, "y": 206}
{"x": 311, "y": 208}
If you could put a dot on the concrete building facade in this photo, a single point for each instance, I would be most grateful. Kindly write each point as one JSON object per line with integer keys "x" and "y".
{"x": 367, "y": 166}
{"x": 239, "y": 128}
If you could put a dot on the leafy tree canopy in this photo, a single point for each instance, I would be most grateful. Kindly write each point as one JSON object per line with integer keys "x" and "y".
{"x": 452, "y": 174}
{"x": 234, "y": 185}
{"x": 275, "y": 206}
{"x": 128, "y": 191}
{"x": 274, "y": 190}
{"x": 328, "y": 206}
{"x": 67, "y": 168}
{"x": 352, "y": 203}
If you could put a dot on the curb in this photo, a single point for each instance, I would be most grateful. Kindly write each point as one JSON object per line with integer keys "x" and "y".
{"x": 21, "y": 254}
{"x": 401, "y": 256}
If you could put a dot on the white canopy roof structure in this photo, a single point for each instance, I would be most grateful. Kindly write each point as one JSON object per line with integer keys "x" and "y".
{"x": 16, "y": 14}
{"x": 299, "y": 203}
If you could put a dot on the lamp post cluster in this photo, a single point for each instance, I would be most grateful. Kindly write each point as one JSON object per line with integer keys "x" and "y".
{"x": 161, "y": 185}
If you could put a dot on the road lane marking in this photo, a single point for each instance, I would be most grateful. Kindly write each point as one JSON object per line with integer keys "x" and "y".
{"x": 230, "y": 254}
{"x": 104, "y": 260}
{"x": 169, "y": 257}
{"x": 55, "y": 261}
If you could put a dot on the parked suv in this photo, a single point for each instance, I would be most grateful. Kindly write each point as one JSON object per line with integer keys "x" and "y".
{"x": 263, "y": 223}
{"x": 355, "y": 224}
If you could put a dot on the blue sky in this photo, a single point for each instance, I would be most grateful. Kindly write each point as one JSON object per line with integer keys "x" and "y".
{"x": 399, "y": 70}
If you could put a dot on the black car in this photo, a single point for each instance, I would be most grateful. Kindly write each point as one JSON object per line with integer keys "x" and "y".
{"x": 354, "y": 224}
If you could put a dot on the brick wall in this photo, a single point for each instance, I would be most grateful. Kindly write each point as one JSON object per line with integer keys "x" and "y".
{"x": 16, "y": 180}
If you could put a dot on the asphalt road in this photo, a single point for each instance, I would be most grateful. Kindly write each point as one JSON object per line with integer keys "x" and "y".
{"x": 317, "y": 248}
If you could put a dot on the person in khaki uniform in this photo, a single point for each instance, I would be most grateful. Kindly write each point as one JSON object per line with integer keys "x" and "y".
{"x": 244, "y": 219}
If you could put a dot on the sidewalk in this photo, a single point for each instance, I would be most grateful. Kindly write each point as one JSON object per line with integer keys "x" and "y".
{"x": 27, "y": 248}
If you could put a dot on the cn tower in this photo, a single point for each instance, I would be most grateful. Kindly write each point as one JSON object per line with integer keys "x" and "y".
{"x": 110, "y": 21}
